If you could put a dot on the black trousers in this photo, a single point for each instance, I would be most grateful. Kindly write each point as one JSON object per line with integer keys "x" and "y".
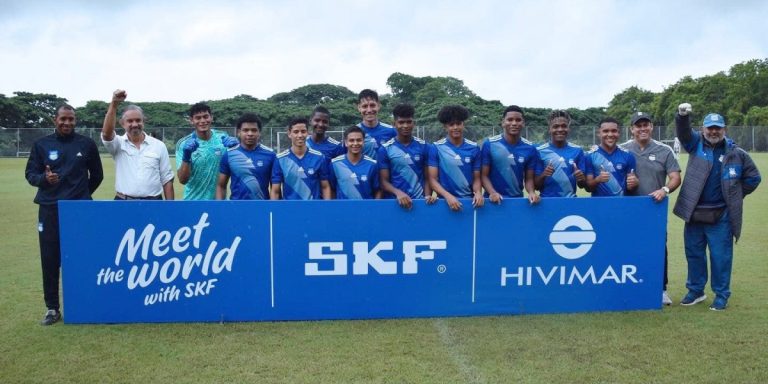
{"x": 50, "y": 253}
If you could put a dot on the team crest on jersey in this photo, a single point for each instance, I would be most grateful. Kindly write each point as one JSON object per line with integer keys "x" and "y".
{"x": 652, "y": 157}
{"x": 311, "y": 171}
{"x": 217, "y": 152}
{"x": 732, "y": 172}
{"x": 619, "y": 166}
{"x": 415, "y": 157}
{"x": 364, "y": 178}
{"x": 721, "y": 158}
{"x": 53, "y": 155}
{"x": 521, "y": 159}
{"x": 467, "y": 159}
{"x": 260, "y": 163}
{"x": 570, "y": 161}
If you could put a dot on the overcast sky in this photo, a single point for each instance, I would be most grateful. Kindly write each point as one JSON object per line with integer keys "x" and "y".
{"x": 553, "y": 54}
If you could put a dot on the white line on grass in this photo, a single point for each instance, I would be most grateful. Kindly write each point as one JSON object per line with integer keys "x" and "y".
{"x": 470, "y": 373}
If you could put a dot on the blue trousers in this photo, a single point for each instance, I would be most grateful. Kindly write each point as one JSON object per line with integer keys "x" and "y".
{"x": 719, "y": 239}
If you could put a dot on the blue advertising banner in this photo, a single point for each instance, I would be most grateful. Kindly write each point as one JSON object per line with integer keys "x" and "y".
{"x": 155, "y": 261}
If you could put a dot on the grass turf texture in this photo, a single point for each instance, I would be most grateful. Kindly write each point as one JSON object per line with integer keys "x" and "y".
{"x": 674, "y": 345}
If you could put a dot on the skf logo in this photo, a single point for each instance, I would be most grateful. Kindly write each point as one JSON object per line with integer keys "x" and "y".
{"x": 331, "y": 261}
{"x": 563, "y": 240}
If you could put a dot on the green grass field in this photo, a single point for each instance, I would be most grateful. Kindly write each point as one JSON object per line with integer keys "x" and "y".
{"x": 673, "y": 345}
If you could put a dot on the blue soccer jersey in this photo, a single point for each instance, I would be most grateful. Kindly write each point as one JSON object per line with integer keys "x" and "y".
{"x": 329, "y": 147}
{"x": 508, "y": 164}
{"x": 405, "y": 164}
{"x": 355, "y": 181}
{"x": 618, "y": 164}
{"x": 300, "y": 176}
{"x": 249, "y": 172}
{"x": 375, "y": 137}
{"x": 455, "y": 165}
{"x": 562, "y": 183}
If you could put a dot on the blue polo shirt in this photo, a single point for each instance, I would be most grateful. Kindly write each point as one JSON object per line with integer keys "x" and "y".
{"x": 455, "y": 165}
{"x": 355, "y": 181}
{"x": 249, "y": 172}
{"x": 562, "y": 183}
{"x": 405, "y": 164}
{"x": 618, "y": 164}
{"x": 375, "y": 137}
{"x": 300, "y": 177}
{"x": 508, "y": 164}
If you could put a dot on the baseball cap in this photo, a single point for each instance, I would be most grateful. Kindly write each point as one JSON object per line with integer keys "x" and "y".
{"x": 637, "y": 116}
{"x": 714, "y": 120}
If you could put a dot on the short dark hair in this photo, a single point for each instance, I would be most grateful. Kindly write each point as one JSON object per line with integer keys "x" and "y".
{"x": 321, "y": 109}
{"x": 198, "y": 108}
{"x": 513, "y": 108}
{"x": 63, "y": 106}
{"x": 608, "y": 120}
{"x": 452, "y": 113}
{"x": 353, "y": 129}
{"x": 405, "y": 111}
{"x": 248, "y": 118}
{"x": 556, "y": 113}
{"x": 297, "y": 120}
{"x": 367, "y": 94}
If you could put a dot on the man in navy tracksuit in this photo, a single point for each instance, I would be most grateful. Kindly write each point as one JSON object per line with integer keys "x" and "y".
{"x": 711, "y": 201}
{"x": 63, "y": 166}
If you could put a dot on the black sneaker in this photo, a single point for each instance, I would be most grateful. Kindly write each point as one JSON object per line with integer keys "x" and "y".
{"x": 51, "y": 316}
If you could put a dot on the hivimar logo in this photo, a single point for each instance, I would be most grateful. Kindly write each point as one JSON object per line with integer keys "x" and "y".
{"x": 561, "y": 237}
{"x": 572, "y": 237}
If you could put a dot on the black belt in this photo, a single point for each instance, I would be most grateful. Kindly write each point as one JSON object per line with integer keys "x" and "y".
{"x": 122, "y": 196}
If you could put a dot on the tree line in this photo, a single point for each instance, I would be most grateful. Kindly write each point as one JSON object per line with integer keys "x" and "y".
{"x": 740, "y": 94}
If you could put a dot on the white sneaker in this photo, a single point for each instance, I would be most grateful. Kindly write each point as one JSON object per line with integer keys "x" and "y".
{"x": 665, "y": 298}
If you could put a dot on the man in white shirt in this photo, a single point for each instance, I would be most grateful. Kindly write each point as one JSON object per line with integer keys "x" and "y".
{"x": 142, "y": 166}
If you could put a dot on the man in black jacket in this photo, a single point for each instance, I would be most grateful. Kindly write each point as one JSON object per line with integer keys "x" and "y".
{"x": 63, "y": 166}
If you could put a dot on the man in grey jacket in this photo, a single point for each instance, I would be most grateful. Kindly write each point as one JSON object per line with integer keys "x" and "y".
{"x": 718, "y": 177}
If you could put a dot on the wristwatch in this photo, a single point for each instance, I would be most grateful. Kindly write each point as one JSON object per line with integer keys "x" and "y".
{"x": 665, "y": 189}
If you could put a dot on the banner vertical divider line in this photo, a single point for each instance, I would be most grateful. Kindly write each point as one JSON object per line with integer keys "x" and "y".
{"x": 474, "y": 251}
{"x": 271, "y": 261}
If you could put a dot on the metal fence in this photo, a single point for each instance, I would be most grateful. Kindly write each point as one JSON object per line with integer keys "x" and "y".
{"x": 16, "y": 142}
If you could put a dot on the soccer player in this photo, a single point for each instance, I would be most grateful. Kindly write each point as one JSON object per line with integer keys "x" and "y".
{"x": 655, "y": 163}
{"x": 718, "y": 177}
{"x": 319, "y": 141}
{"x": 142, "y": 166}
{"x": 559, "y": 169}
{"x": 198, "y": 155}
{"x": 300, "y": 173}
{"x": 355, "y": 175}
{"x": 376, "y": 132}
{"x": 63, "y": 166}
{"x": 403, "y": 160}
{"x": 509, "y": 161}
{"x": 248, "y": 164}
{"x": 454, "y": 162}
{"x": 610, "y": 169}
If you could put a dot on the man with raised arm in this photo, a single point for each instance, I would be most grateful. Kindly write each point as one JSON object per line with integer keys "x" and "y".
{"x": 142, "y": 165}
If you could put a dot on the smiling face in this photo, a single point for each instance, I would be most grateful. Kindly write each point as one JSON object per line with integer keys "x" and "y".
{"x": 714, "y": 134}
{"x": 558, "y": 130}
{"x": 369, "y": 110}
{"x": 133, "y": 122}
{"x": 642, "y": 130}
{"x": 202, "y": 122}
{"x": 512, "y": 123}
{"x": 454, "y": 131}
{"x": 404, "y": 127}
{"x": 65, "y": 121}
{"x": 297, "y": 133}
{"x": 354, "y": 143}
{"x": 608, "y": 134}
{"x": 320, "y": 122}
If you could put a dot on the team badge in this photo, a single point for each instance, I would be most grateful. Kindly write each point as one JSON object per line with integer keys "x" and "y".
{"x": 260, "y": 163}
{"x": 570, "y": 161}
{"x": 416, "y": 157}
{"x": 53, "y": 155}
{"x": 732, "y": 172}
{"x": 311, "y": 171}
{"x": 217, "y": 152}
{"x": 467, "y": 159}
{"x": 521, "y": 159}
{"x": 721, "y": 158}
{"x": 619, "y": 166}
{"x": 364, "y": 178}
{"x": 652, "y": 157}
